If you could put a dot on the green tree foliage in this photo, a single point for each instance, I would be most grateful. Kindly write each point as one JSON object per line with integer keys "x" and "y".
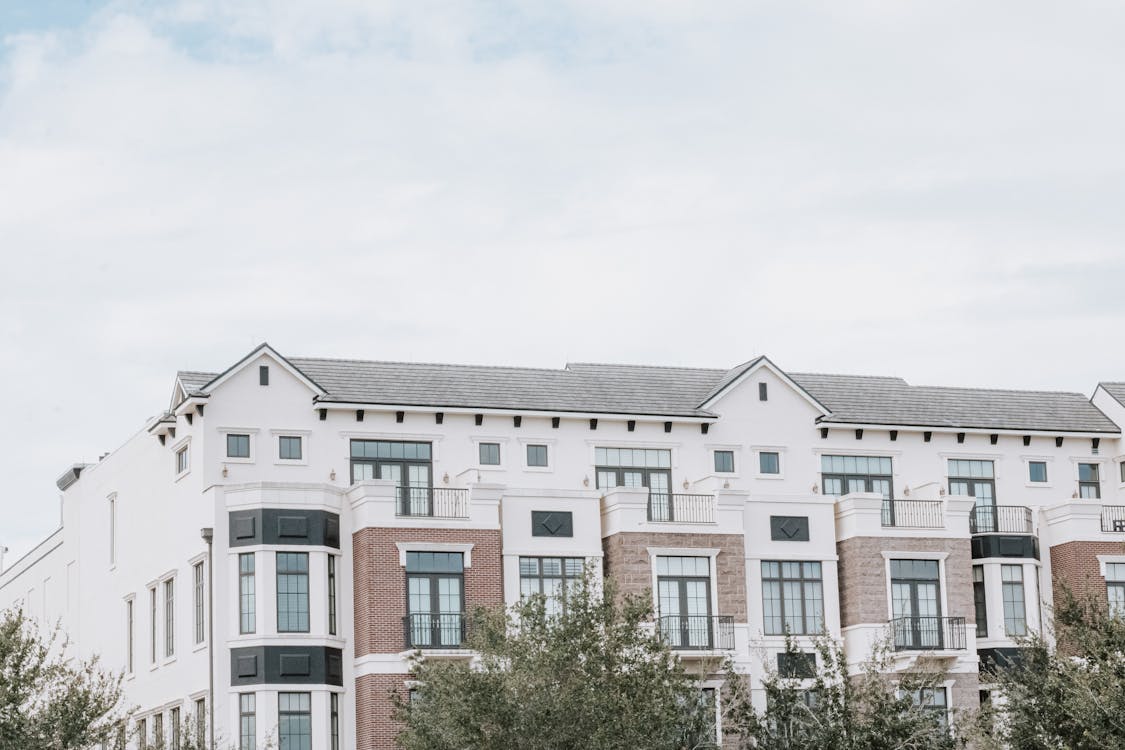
{"x": 593, "y": 676}
{"x": 49, "y": 701}
{"x": 871, "y": 710}
{"x": 1072, "y": 696}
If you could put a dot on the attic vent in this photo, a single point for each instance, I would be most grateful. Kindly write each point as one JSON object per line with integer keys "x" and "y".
{"x": 763, "y": 392}
{"x": 263, "y": 375}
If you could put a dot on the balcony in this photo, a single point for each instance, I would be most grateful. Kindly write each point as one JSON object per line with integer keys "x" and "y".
{"x": 664, "y": 507}
{"x": 431, "y": 502}
{"x": 929, "y": 633}
{"x": 1000, "y": 519}
{"x": 435, "y": 630}
{"x": 697, "y": 632}
{"x": 913, "y": 514}
{"x": 1113, "y": 518}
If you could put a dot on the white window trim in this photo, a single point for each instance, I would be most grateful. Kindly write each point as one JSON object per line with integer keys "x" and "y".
{"x": 182, "y": 445}
{"x": 251, "y": 431}
{"x": 1104, "y": 560}
{"x": 734, "y": 448}
{"x": 549, "y": 442}
{"x": 939, "y": 556}
{"x": 712, "y": 568}
{"x": 130, "y": 597}
{"x": 996, "y": 459}
{"x": 152, "y": 633}
{"x": 501, "y": 441}
{"x": 111, "y": 501}
{"x": 200, "y": 559}
{"x": 162, "y": 603}
{"x": 672, "y": 448}
{"x": 1117, "y": 462}
{"x": 758, "y": 450}
{"x": 465, "y": 549}
{"x": 1027, "y": 460}
{"x": 275, "y": 439}
{"x": 819, "y": 452}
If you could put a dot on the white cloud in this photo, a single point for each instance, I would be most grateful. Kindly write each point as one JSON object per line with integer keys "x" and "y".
{"x": 928, "y": 191}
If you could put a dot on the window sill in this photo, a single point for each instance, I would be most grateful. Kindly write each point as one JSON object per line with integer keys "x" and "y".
{"x": 181, "y": 475}
{"x": 1039, "y": 485}
{"x": 539, "y": 469}
{"x": 291, "y": 462}
{"x": 769, "y": 476}
{"x": 168, "y": 660}
{"x": 238, "y": 460}
{"x": 199, "y": 647}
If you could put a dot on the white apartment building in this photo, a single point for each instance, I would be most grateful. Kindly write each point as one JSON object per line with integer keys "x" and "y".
{"x": 361, "y": 510}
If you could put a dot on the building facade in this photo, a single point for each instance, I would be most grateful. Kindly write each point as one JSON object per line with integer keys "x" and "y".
{"x": 359, "y": 511}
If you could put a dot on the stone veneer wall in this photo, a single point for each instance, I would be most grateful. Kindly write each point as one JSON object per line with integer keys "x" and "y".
{"x": 863, "y": 576}
{"x": 628, "y": 562}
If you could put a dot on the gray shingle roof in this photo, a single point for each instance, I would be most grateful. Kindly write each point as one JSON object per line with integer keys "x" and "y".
{"x": 585, "y": 387}
{"x": 893, "y": 401}
{"x": 1117, "y": 390}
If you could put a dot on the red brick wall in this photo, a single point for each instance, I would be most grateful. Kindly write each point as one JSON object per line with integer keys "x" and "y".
{"x": 380, "y": 581}
{"x": 375, "y": 727}
{"x": 1074, "y": 565}
{"x": 628, "y": 562}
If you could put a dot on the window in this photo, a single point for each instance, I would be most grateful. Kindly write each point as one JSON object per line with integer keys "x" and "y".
{"x": 407, "y": 464}
{"x": 1121, "y": 467}
{"x": 142, "y": 733}
{"x": 112, "y": 530}
{"x": 980, "y": 604}
{"x": 198, "y": 591}
{"x": 434, "y": 595}
{"x": 763, "y": 391}
{"x": 1015, "y": 615}
{"x": 182, "y": 460}
{"x": 974, "y": 479}
{"x": 636, "y": 468}
{"x": 933, "y": 700}
{"x": 799, "y": 665}
{"x": 331, "y": 595}
{"x": 263, "y": 375}
{"x": 289, "y": 448}
{"x": 536, "y": 455}
{"x": 238, "y": 446}
{"x": 489, "y": 454}
{"x": 1037, "y": 471}
{"x": 169, "y": 618}
{"x": 1089, "y": 481}
{"x": 769, "y": 463}
{"x": 550, "y": 576}
{"x": 294, "y": 714}
{"x": 841, "y": 475}
{"x": 683, "y": 587}
{"x": 247, "y": 721}
{"x": 334, "y": 721}
{"x": 152, "y": 621}
{"x": 247, "y": 619}
{"x": 174, "y": 720}
{"x": 292, "y": 592}
{"x": 916, "y": 604}
{"x": 129, "y": 636}
{"x": 158, "y": 730}
{"x": 724, "y": 462}
{"x": 792, "y": 597}
{"x": 1115, "y": 588}
{"x": 200, "y": 721}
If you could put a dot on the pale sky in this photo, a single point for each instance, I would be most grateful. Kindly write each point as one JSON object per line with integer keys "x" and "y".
{"x": 933, "y": 190}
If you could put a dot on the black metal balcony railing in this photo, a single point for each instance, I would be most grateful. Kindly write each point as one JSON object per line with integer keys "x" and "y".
{"x": 432, "y": 502}
{"x": 697, "y": 632}
{"x": 929, "y": 633}
{"x": 1000, "y": 519}
{"x": 1113, "y": 518}
{"x": 435, "y": 629}
{"x": 913, "y": 514}
{"x": 665, "y": 506}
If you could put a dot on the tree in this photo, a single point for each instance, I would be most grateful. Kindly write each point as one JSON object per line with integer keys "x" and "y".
{"x": 594, "y": 675}
{"x": 49, "y": 700}
{"x": 827, "y": 708}
{"x": 1070, "y": 696}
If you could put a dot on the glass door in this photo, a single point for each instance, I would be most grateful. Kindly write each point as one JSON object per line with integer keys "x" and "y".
{"x": 916, "y": 604}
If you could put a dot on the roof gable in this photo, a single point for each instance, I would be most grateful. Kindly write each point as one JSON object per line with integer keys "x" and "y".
{"x": 737, "y": 375}
{"x": 261, "y": 349}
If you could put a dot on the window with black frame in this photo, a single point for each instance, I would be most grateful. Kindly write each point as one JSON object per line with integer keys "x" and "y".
{"x": 1115, "y": 588}
{"x": 684, "y": 601}
{"x": 792, "y": 597}
{"x": 435, "y": 593}
{"x": 980, "y": 602}
{"x": 933, "y": 701}
{"x": 1015, "y": 609}
{"x": 916, "y": 604}
{"x": 841, "y": 475}
{"x": 408, "y": 464}
{"x": 636, "y": 468}
{"x": 292, "y": 592}
{"x": 550, "y": 576}
{"x": 1089, "y": 481}
{"x": 294, "y": 721}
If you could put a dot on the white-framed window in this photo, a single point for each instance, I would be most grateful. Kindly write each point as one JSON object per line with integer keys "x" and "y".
{"x": 1115, "y": 587}
{"x": 1015, "y": 610}
{"x": 130, "y": 631}
{"x": 769, "y": 461}
{"x": 1038, "y": 471}
{"x": 199, "y": 602}
{"x": 489, "y": 452}
{"x": 1089, "y": 481}
{"x": 291, "y": 447}
{"x": 239, "y": 444}
{"x": 153, "y": 621}
{"x": 537, "y": 455}
{"x": 247, "y": 594}
{"x": 724, "y": 461}
{"x": 182, "y": 458}
{"x": 169, "y": 589}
